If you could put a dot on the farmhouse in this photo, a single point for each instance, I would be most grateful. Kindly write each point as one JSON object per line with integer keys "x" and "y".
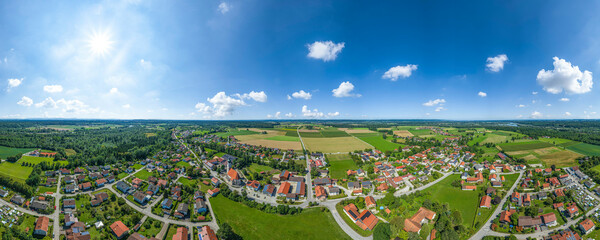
{"x": 422, "y": 216}
{"x": 486, "y": 202}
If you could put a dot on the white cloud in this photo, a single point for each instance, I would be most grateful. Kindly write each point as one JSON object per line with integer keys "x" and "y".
{"x": 289, "y": 115}
{"x": 567, "y": 114}
{"x": 345, "y": 90}
{"x": 75, "y": 106}
{"x": 482, "y": 94}
{"x": 256, "y": 96}
{"x": 435, "y": 102}
{"x": 224, "y": 7}
{"x": 534, "y": 93}
{"x": 113, "y": 90}
{"x": 564, "y": 99}
{"x": 439, "y": 109}
{"x": 399, "y": 71}
{"x": 145, "y": 64}
{"x": 326, "y": 51}
{"x": 311, "y": 113}
{"x": 14, "y": 82}
{"x": 126, "y": 106}
{"x": 565, "y": 77}
{"x": 25, "y": 101}
{"x": 269, "y": 116}
{"x": 495, "y": 64}
{"x": 53, "y": 88}
{"x": 333, "y": 114}
{"x": 47, "y": 103}
{"x": 536, "y": 114}
{"x": 223, "y": 105}
{"x": 548, "y": 105}
{"x": 301, "y": 94}
{"x": 521, "y": 106}
{"x": 277, "y": 114}
{"x": 289, "y": 97}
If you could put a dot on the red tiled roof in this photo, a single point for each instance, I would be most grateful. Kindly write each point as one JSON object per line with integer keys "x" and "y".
{"x": 42, "y": 223}
{"x": 119, "y": 228}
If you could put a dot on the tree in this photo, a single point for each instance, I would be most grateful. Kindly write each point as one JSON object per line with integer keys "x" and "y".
{"x": 382, "y": 231}
{"x": 225, "y": 232}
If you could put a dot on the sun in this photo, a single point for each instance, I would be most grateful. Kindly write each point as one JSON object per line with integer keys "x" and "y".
{"x": 99, "y": 43}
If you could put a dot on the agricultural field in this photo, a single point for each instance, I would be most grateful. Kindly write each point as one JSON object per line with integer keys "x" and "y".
{"x": 467, "y": 202}
{"x": 312, "y": 223}
{"x": 334, "y": 144}
{"x": 272, "y": 139}
{"x": 233, "y": 132}
{"x": 37, "y": 160}
{"x": 8, "y": 151}
{"x": 377, "y": 141}
{"x": 403, "y": 133}
{"x": 356, "y": 130}
{"x": 333, "y": 132}
{"x": 520, "y": 146}
{"x": 339, "y": 164}
{"x": 420, "y": 132}
{"x": 494, "y": 138}
{"x": 585, "y": 149}
{"x": 15, "y": 171}
{"x": 562, "y": 158}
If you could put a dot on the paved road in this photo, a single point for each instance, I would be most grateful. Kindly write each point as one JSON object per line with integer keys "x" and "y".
{"x": 309, "y": 186}
{"x": 400, "y": 193}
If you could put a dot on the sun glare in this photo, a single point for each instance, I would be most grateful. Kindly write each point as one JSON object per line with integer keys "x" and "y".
{"x": 100, "y": 43}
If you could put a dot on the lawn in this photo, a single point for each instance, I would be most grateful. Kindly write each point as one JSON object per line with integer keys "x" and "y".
{"x": 8, "y": 151}
{"x": 144, "y": 175}
{"x": 44, "y": 189}
{"x": 183, "y": 164}
{"x": 254, "y": 224}
{"x": 122, "y": 175}
{"x": 15, "y": 171}
{"x": 37, "y": 160}
{"x": 152, "y": 231}
{"x": 339, "y": 164}
{"x": 333, "y": 145}
{"x": 259, "y": 168}
{"x": 378, "y": 142}
{"x": 466, "y": 202}
{"x": 520, "y": 146}
{"x": 137, "y": 166}
{"x": 585, "y": 149}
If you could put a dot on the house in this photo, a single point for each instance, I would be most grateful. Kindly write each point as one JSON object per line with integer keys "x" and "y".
{"x": 215, "y": 182}
{"x": 141, "y": 197}
{"x": 469, "y": 188}
{"x": 41, "y": 226}
{"x": 422, "y": 216}
{"x": 70, "y": 219}
{"x": 587, "y": 226}
{"x": 3, "y": 193}
{"x": 572, "y": 210}
{"x": 496, "y": 184}
{"x": 354, "y": 185}
{"x": 320, "y": 193}
{"x": 515, "y": 197}
{"x": 322, "y": 181}
{"x": 69, "y": 203}
{"x": 505, "y": 215}
{"x": 334, "y": 191}
{"x": 85, "y": 186}
{"x": 549, "y": 219}
{"x": 565, "y": 235}
{"x": 137, "y": 182}
{"x": 182, "y": 210}
{"x": 490, "y": 191}
{"x": 122, "y": 186}
{"x": 152, "y": 189}
{"x": 206, "y": 233}
{"x": 370, "y": 202}
{"x": 365, "y": 220}
{"x": 17, "y": 199}
{"x": 269, "y": 190}
{"x": 234, "y": 177}
{"x": 176, "y": 192}
{"x": 181, "y": 234}
{"x": 486, "y": 202}
{"x": 284, "y": 189}
{"x": 100, "y": 182}
{"x": 200, "y": 205}
{"x": 213, "y": 192}
{"x": 167, "y": 203}
{"x": 526, "y": 199}
{"x": 119, "y": 229}
{"x": 527, "y": 221}
{"x": 38, "y": 205}
{"x": 254, "y": 185}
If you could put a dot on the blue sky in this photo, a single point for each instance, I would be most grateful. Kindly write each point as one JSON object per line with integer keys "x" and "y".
{"x": 255, "y": 59}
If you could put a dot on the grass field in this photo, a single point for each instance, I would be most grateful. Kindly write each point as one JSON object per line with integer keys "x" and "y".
{"x": 37, "y": 160}
{"x": 333, "y": 132}
{"x": 467, "y": 202}
{"x": 556, "y": 141}
{"x": 493, "y": 138}
{"x": 520, "y": 146}
{"x": 183, "y": 164}
{"x": 284, "y": 138}
{"x": 333, "y": 145}
{"x": 137, "y": 166}
{"x": 70, "y": 152}
{"x": 143, "y": 174}
{"x": 259, "y": 168}
{"x": 420, "y": 132}
{"x": 152, "y": 231}
{"x": 339, "y": 164}
{"x": 255, "y": 224}
{"x": 15, "y": 171}
{"x": 236, "y": 133}
{"x": 562, "y": 158}
{"x": 44, "y": 189}
{"x": 8, "y": 151}
{"x": 378, "y": 142}
{"x": 311, "y": 134}
{"x": 585, "y": 149}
